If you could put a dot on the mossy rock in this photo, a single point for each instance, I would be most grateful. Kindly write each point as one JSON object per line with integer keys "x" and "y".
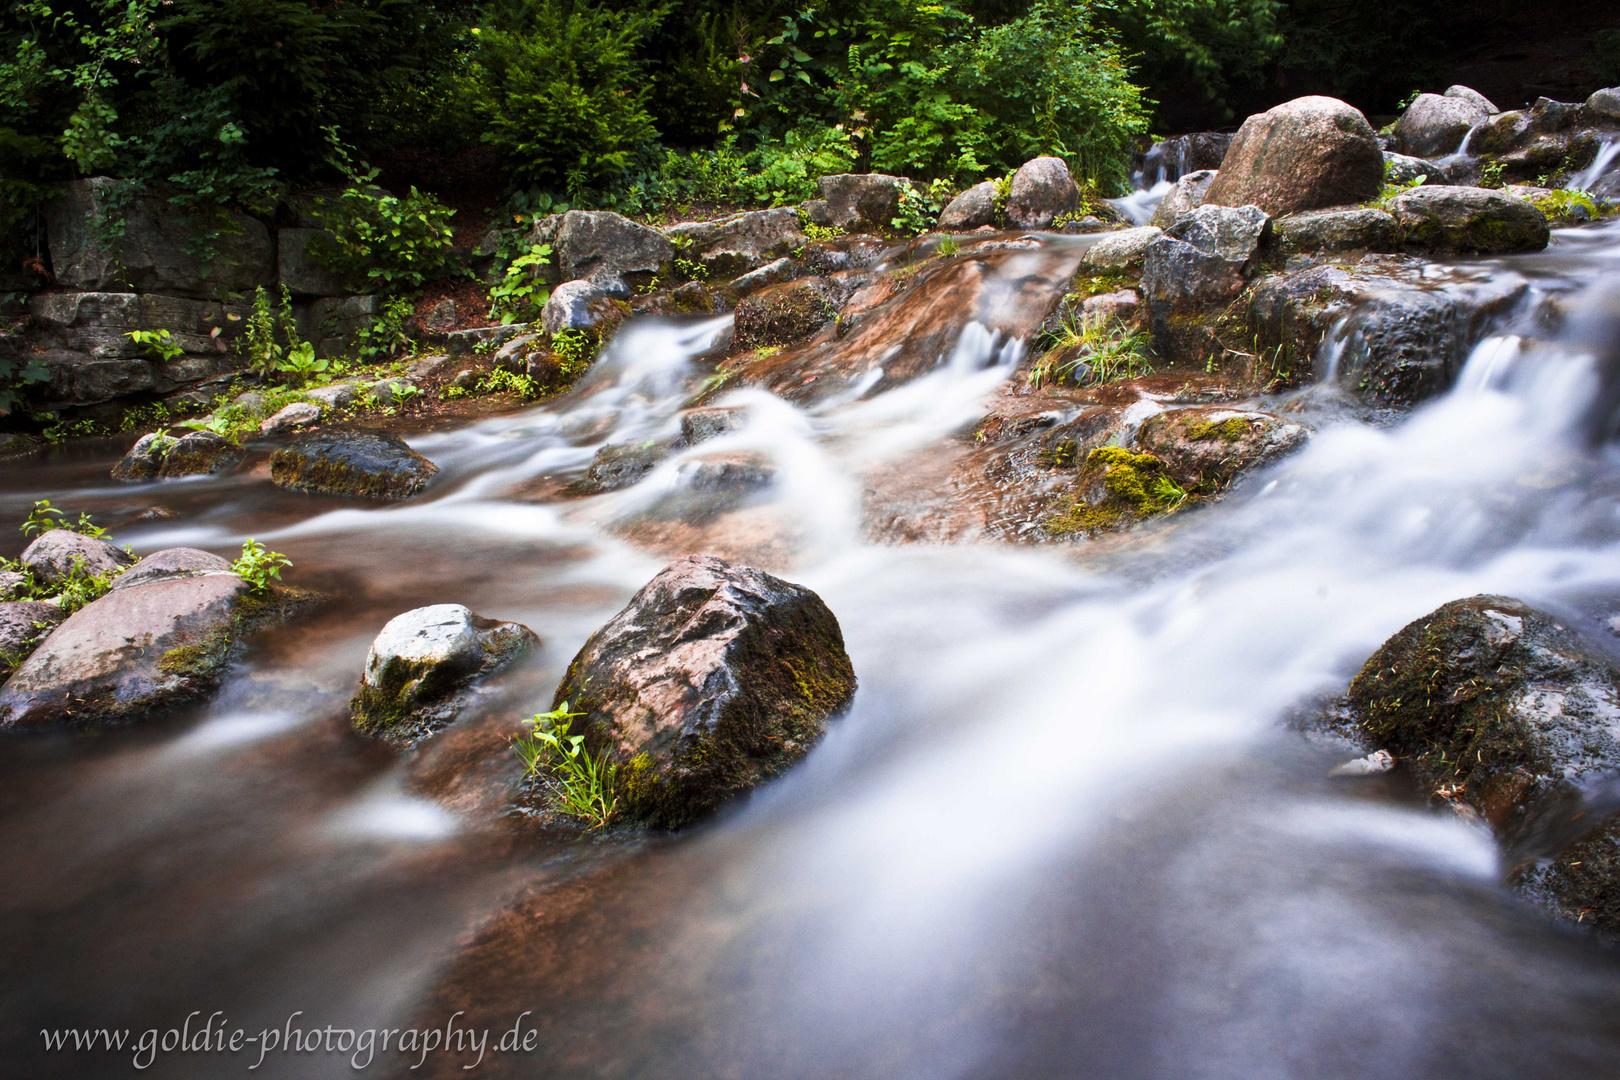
{"x": 1114, "y": 490}
{"x": 1464, "y": 220}
{"x": 364, "y": 464}
{"x": 783, "y": 314}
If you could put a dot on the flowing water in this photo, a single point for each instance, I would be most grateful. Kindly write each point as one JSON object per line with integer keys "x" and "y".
{"x": 1064, "y": 831}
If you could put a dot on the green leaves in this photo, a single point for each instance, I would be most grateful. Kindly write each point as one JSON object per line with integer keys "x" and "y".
{"x": 581, "y": 785}
{"x": 520, "y": 295}
{"x": 159, "y": 344}
{"x": 398, "y": 244}
{"x": 259, "y": 567}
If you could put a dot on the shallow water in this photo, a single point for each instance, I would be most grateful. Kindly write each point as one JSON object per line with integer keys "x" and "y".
{"x": 1064, "y": 830}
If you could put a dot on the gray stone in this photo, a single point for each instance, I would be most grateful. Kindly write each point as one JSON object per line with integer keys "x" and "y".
{"x": 425, "y": 367}
{"x": 365, "y": 464}
{"x": 145, "y": 459}
{"x": 23, "y": 625}
{"x": 972, "y": 209}
{"x": 1465, "y": 219}
{"x": 335, "y": 396}
{"x": 1231, "y": 233}
{"x": 1433, "y": 125}
{"x": 575, "y": 305}
{"x": 200, "y": 453}
{"x": 739, "y": 243}
{"x": 1306, "y": 154}
{"x": 332, "y": 323}
{"x": 1177, "y": 276}
{"x": 55, "y": 553}
{"x": 13, "y": 583}
{"x": 1474, "y": 97}
{"x": 172, "y": 563}
{"x": 701, "y": 425}
{"x": 862, "y": 202}
{"x": 613, "y": 284}
{"x": 1122, "y": 307}
{"x": 298, "y": 414}
{"x": 772, "y": 273}
{"x": 1181, "y": 200}
{"x": 622, "y": 465}
{"x": 251, "y": 404}
{"x": 712, "y": 680}
{"x": 1351, "y": 228}
{"x": 1041, "y": 190}
{"x": 422, "y": 660}
{"x": 388, "y": 392}
{"x": 151, "y": 254}
{"x": 440, "y": 318}
{"x": 1604, "y": 106}
{"x": 1400, "y": 169}
{"x": 1123, "y": 250}
{"x": 728, "y": 474}
{"x": 302, "y": 274}
{"x": 589, "y": 242}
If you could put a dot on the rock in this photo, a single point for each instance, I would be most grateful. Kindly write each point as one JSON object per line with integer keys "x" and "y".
{"x": 425, "y": 367}
{"x": 1434, "y": 125}
{"x": 1188, "y": 195}
{"x": 1123, "y": 250}
{"x": 1345, "y": 229}
{"x": 1473, "y": 97}
{"x": 298, "y": 414}
{"x": 332, "y": 323}
{"x": 701, "y": 425}
{"x": 151, "y": 254}
{"x": 297, "y": 269}
{"x": 739, "y": 243}
{"x": 1114, "y": 489}
{"x": 712, "y": 680}
{"x": 576, "y": 305}
{"x": 1205, "y": 450}
{"x": 1202, "y": 259}
{"x": 1233, "y": 235}
{"x": 1306, "y": 154}
{"x": 695, "y": 298}
{"x": 145, "y": 459}
{"x": 973, "y": 208}
{"x": 17, "y": 445}
{"x": 172, "y": 563}
{"x": 438, "y": 319}
{"x": 1123, "y": 306}
{"x": 784, "y": 314}
{"x": 199, "y": 453}
{"x": 1604, "y": 106}
{"x": 726, "y": 473}
{"x": 1501, "y": 707}
{"x": 23, "y": 624}
{"x": 336, "y": 396}
{"x": 13, "y": 584}
{"x": 613, "y": 284}
{"x": 773, "y": 273}
{"x": 134, "y": 652}
{"x": 1373, "y": 764}
{"x": 592, "y": 242}
{"x": 622, "y": 465}
{"x": 53, "y": 555}
{"x": 420, "y": 664}
{"x": 250, "y": 403}
{"x": 1041, "y": 190}
{"x": 862, "y": 202}
{"x": 1467, "y": 219}
{"x": 1400, "y": 169}
{"x": 366, "y": 464}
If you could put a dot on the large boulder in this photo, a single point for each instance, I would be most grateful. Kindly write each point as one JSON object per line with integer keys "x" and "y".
{"x": 57, "y": 553}
{"x": 155, "y": 250}
{"x": 23, "y": 624}
{"x": 1469, "y": 220}
{"x": 1203, "y": 259}
{"x": 972, "y": 209}
{"x": 713, "y": 679}
{"x": 361, "y": 463}
{"x": 1123, "y": 250}
{"x": 592, "y": 243}
{"x": 1603, "y": 107}
{"x": 742, "y": 242}
{"x": 134, "y": 652}
{"x": 578, "y": 305}
{"x": 858, "y": 202}
{"x": 1188, "y": 195}
{"x": 199, "y": 453}
{"x": 1434, "y": 124}
{"x": 1473, "y": 97}
{"x": 1500, "y": 707}
{"x": 1041, "y": 190}
{"x": 1350, "y": 228}
{"x": 172, "y": 563}
{"x": 1305, "y": 154}
{"x": 421, "y": 664}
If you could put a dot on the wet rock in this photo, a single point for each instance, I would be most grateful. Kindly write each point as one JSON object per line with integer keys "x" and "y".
{"x": 861, "y": 202}
{"x": 692, "y": 298}
{"x": 143, "y": 460}
{"x": 1203, "y": 259}
{"x": 1499, "y": 706}
{"x": 1400, "y": 169}
{"x": 1357, "y": 228}
{"x": 742, "y": 242}
{"x": 972, "y": 209}
{"x": 420, "y": 665}
{"x": 54, "y": 554}
{"x": 1434, "y": 125}
{"x": 1465, "y": 219}
{"x": 712, "y": 680}
{"x": 172, "y": 563}
{"x": 726, "y": 473}
{"x": 1188, "y": 195}
{"x": 772, "y": 273}
{"x": 701, "y": 425}
{"x": 622, "y": 465}
{"x": 576, "y": 305}
{"x": 1041, "y": 190}
{"x": 1114, "y": 489}
{"x": 23, "y": 625}
{"x": 150, "y": 254}
{"x": 365, "y": 464}
{"x": 134, "y": 652}
{"x": 589, "y": 242}
{"x": 784, "y": 314}
{"x": 200, "y": 453}
{"x": 1123, "y": 250}
{"x": 1306, "y": 154}
{"x": 1206, "y": 449}
{"x": 298, "y": 414}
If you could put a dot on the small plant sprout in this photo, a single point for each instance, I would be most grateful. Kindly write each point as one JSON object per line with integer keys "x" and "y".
{"x": 948, "y": 247}
{"x": 259, "y": 567}
{"x": 581, "y": 785}
{"x": 44, "y": 517}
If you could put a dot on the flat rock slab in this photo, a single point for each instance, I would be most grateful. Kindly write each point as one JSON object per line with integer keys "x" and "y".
{"x": 365, "y": 464}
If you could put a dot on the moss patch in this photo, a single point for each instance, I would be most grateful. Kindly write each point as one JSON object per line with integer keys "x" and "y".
{"x": 1226, "y": 431}
{"x": 1116, "y": 489}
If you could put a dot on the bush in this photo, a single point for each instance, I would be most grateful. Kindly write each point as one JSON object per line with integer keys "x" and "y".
{"x": 399, "y": 244}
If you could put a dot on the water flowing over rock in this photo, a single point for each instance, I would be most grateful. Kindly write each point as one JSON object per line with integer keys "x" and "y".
{"x": 57, "y": 553}
{"x": 1041, "y": 190}
{"x": 1467, "y": 219}
{"x": 1434, "y": 124}
{"x": 972, "y": 209}
{"x": 1499, "y": 706}
{"x": 701, "y": 425}
{"x": 422, "y": 662}
{"x": 712, "y": 680}
{"x": 1305, "y": 154}
{"x": 1188, "y": 195}
{"x": 1176, "y": 157}
{"x": 366, "y": 464}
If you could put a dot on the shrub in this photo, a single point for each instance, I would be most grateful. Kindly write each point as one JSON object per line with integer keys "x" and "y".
{"x": 44, "y": 517}
{"x": 398, "y": 244}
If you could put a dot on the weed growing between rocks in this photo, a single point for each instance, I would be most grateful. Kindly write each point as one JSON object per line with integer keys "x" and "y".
{"x": 577, "y": 783}
{"x": 1092, "y": 352}
{"x": 259, "y": 567}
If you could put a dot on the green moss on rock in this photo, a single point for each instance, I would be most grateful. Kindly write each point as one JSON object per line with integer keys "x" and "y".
{"x": 1115, "y": 490}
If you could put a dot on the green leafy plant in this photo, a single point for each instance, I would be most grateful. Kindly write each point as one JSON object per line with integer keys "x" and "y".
{"x": 157, "y": 343}
{"x": 80, "y": 587}
{"x": 1106, "y": 349}
{"x": 574, "y": 350}
{"x": 919, "y": 207}
{"x": 258, "y": 567}
{"x": 520, "y": 295}
{"x": 44, "y": 517}
{"x": 224, "y": 422}
{"x": 398, "y": 244}
{"x": 582, "y": 785}
{"x": 501, "y": 381}
{"x": 948, "y": 247}
{"x": 270, "y": 332}
{"x": 300, "y": 364}
{"x": 1490, "y": 174}
{"x": 385, "y": 335}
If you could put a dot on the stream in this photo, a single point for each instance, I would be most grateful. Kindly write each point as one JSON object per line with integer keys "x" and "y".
{"x": 1064, "y": 831}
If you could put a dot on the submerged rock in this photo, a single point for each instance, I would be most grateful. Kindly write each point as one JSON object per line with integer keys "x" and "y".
{"x": 54, "y": 555}
{"x": 23, "y": 624}
{"x": 366, "y": 464}
{"x": 421, "y": 663}
{"x": 1305, "y": 154}
{"x": 1469, "y": 219}
{"x": 701, "y": 425}
{"x": 1041, "y": 190}
{"x": 713, "y": 679}
{"x": 1498, "y": 706}
{"x": 622, "y": 465}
